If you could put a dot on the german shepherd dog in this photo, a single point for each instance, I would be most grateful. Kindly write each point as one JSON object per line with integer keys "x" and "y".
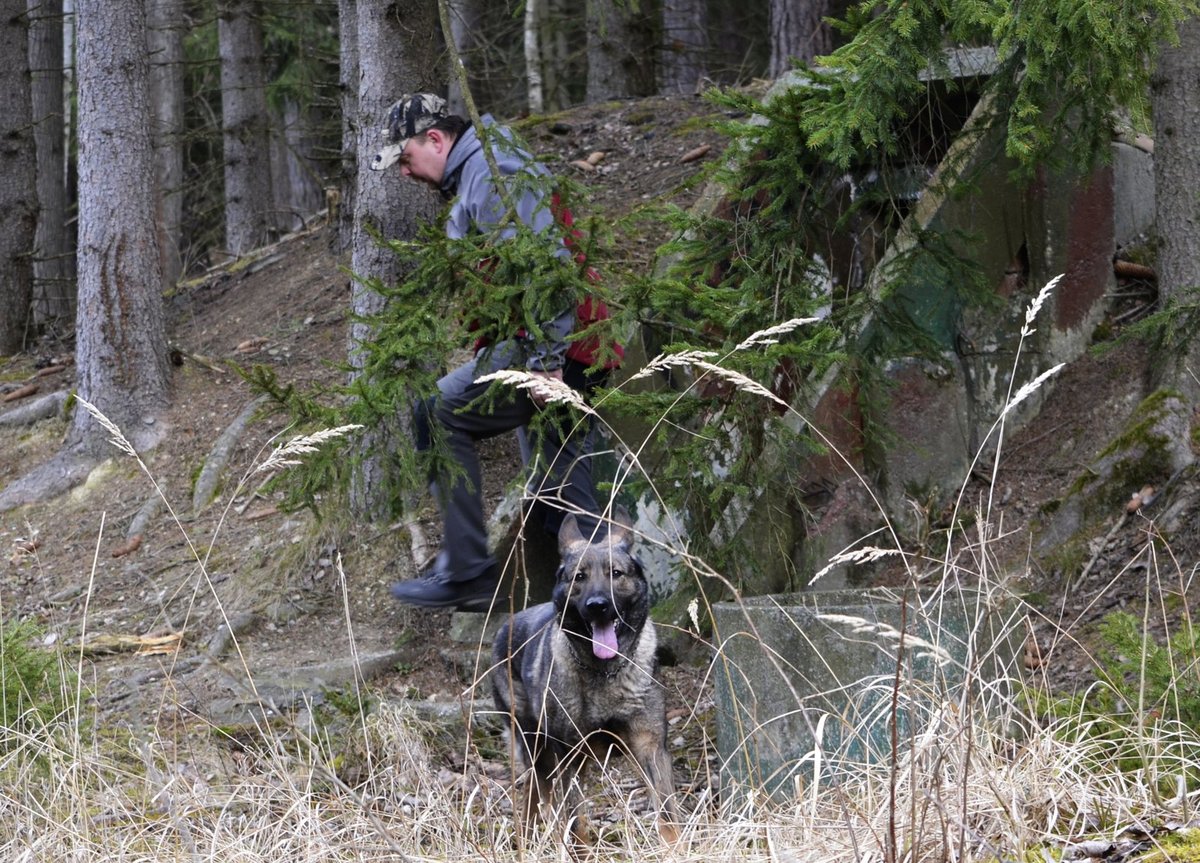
{"x": 576, "y": 677}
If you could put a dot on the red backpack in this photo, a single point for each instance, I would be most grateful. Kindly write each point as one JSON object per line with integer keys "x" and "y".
{"x": 591, "y": 309}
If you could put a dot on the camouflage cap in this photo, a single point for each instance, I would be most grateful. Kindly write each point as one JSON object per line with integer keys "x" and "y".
{"x": 411, "y": 115}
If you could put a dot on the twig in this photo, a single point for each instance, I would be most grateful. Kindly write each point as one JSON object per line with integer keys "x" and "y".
{"x": 1018, "y": 447}
{"x": 200, "y": 359}
{"x": 1103, "y": 545}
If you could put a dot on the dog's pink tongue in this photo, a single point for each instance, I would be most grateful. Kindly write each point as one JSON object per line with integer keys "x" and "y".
{"x": 604, "y": 640}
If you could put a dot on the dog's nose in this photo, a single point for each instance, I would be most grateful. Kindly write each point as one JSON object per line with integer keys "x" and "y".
{"x": 597, "y": 604}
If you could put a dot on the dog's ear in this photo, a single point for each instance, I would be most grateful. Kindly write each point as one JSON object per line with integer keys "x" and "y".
{"x": 568, "y": 534}
{"x": 620, "y": 528}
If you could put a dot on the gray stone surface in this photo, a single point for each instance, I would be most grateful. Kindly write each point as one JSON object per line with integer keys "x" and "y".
{"x": 1133, "y": 193}
{"x": 475, "y": 628}
{"x": 808, "y": 679}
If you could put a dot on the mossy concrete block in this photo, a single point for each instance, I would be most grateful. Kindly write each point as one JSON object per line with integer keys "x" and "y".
{"x": 1154, "y": 446}
{"x": 806, "y": 683}
{"x": 476, "y": 628}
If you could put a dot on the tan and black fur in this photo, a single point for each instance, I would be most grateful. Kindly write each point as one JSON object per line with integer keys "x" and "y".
{"x": 577, "y": 676}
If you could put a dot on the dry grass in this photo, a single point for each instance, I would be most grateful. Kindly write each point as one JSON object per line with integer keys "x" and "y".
{"x": 975, "y": 775}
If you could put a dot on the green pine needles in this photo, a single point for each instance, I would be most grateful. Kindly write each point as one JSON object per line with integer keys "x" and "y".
{"x": 33, "y": 685}
{"x": 1062, "y": 64}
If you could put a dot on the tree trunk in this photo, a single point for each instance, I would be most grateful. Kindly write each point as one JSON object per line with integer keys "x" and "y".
{"x": 294, "y": 178}
{"x": 684, "y": 48}
{"x": 348, "y": 83}
{"x": 53, "y": 273}
{"x": 121, "y": 352}
{"x": 305, "y": 192}
{"x": 165, "y": 25}
{"x": 556, "y": 53}
{"x": 68, "y": 67}
{"x": 465, "y": 23}
{"x": 608, "y": 51}
{"x": 396, "y": 56}
{"x": 18, "y": 194}
{"x": 533, "y": 56}
{"x": 245, "y": 127}
{"x": 798, "y": 33}
{"x": 1176, "y": 105}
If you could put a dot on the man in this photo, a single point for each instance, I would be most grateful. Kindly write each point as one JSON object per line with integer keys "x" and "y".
{"x": 444, "y": 151}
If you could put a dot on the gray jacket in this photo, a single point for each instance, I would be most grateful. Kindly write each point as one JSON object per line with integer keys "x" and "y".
{"x": 478, "y": 208}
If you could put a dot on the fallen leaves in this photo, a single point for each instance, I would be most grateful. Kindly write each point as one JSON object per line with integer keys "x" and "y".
{"x": 24, "y": 548}
{"x": 29, "y": 546}
{"x": 1142, "y": 498}
{"x": 1033, "y": 654}
{"x": 251, "y": 346}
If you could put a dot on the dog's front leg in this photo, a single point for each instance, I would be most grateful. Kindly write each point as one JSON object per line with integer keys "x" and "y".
{"x": 570, "y": 783}
{"x": 539, "y": 789}
{"x": 649, "y": 751}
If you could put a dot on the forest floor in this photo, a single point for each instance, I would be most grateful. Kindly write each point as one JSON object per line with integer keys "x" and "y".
{"x": 292, "y": 588}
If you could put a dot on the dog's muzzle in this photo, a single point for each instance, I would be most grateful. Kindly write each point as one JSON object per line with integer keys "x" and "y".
{"x": 604, "y": 627}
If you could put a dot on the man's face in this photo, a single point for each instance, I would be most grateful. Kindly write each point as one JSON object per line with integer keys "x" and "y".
{"x": 424, "y": 158}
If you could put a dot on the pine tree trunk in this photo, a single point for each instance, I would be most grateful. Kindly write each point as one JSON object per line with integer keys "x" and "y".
{"x": 685, "y": 46}
{"x": 165, "y": 27}
{"x": 18, "y": 194}
{"x": 1176, "y": 171}
{"x": 121, "y": 353}
{"x": 245, "y": 127}
{"x": 555, "y": 54}
{"x": 465, "y": 23}
{"x": 608, "y": 47}
{"x": 348, "y": 83}
{"x": 1176, "y": 105}
{"x": 798, "y": 33}
{"x": 53, "y": 270}
{"x": 305, "y": 192}
{"x": 395, "y": 56}
{"x": 293, "y": 176}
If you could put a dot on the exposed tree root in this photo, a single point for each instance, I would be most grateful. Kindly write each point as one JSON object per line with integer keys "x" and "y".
{"x": 59, "y": 475}
{"x": 218, "y": 457}
{"x": 47, "y": 406}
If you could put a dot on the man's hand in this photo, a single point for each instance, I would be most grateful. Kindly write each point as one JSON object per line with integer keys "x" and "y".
{"x": 541, "y": 394}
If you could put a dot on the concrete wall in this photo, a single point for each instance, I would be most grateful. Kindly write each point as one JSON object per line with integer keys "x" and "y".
{"x": 822, "y": 697}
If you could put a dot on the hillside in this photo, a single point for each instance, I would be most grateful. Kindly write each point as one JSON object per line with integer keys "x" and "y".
{"x": 288, "y": 586}
{"x": 236, "y": 562}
